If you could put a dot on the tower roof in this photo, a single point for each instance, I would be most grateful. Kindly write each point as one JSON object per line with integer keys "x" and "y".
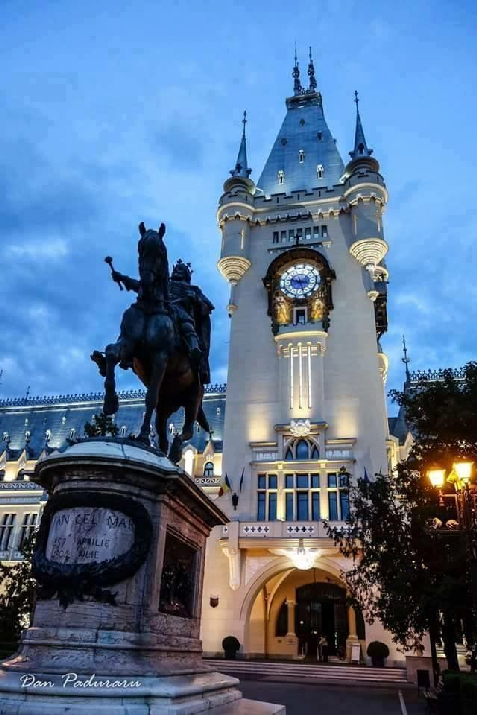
{"x": 304, "y": 155}
{"x": 361, "y": 155}
{"x": 360, "y": 146}
{"x": 241, "y": 165}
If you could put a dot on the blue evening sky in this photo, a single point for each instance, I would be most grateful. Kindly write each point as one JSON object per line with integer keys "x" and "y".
{"x": 116, "y": 112}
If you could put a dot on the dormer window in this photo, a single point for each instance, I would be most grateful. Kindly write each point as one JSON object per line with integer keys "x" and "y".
{"x": 320, "y": 171}
{"x": 281, "y": 176}
{"x": 301, "y": 156}
{"x": 209, "y": 469}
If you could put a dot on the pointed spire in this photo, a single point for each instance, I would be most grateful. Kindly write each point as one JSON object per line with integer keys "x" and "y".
{"x": 311, "y": 74}
{"x": 360, "y": 146}
{"x": 297, "y": 88}
{"x": 241, "y": 166}
{"x": 405, "y": 359}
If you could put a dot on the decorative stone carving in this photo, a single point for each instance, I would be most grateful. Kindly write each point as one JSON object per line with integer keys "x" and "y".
{"x": 233, "y": 268}
{"x": 300, "y": 428}
{"x": 234, "y": 567}
{"x": 254, "y": 565}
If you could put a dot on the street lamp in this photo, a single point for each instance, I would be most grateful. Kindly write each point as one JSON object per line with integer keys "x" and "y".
{"x": 466, "y": 500}
{"x": 437, "y": 477}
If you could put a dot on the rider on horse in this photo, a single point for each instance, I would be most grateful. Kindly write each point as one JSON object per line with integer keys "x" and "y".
{"x": 157, "y": 294}
{"x": 191, "y": 312}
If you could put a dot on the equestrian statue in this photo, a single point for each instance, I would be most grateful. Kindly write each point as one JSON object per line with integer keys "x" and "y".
{"x": 165, "y": 339}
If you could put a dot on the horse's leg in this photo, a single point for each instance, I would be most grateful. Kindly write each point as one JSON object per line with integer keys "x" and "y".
{"x": 190, "y": 410}
{"x": 111, "y": 402}
{"x": 161, "y": 429}
{"x": 190, "y": 414}
{"x": 202, "y": 420}
{"x": 152, "y": 394}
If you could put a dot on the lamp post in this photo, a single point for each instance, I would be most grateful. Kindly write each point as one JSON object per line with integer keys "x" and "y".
{"x": 465, "y": 495}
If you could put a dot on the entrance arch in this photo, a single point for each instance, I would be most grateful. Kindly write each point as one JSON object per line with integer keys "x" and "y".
{"x": 284, "y": 606}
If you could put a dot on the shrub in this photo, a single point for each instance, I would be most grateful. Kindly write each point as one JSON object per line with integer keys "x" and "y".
{"x": 231, "y": 643}
{"x": 463, "y": 686}
{"x": 468, "y": 694}
{"x": 377, "y": 650}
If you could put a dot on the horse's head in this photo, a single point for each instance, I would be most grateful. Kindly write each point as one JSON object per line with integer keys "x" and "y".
{"x": 152, "y": 256}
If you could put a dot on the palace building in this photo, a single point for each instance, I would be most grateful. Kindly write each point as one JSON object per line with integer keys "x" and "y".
{"x": 303, "y": 251}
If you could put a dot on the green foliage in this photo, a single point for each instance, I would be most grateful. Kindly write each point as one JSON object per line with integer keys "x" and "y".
{"x": 231, "y": 643}
{"x": 376, "y": 649}
{"x": 464, "y": 686}
{"x": 468, "y": 694}
{"x": 443, "y": 417}
{"x": 17, "y": 597}
{"x": 404, "y": 571}
{"x": 102, "y": 425}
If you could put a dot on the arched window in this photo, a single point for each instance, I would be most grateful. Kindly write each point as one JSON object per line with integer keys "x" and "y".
{"x": 314, "y": 452}
{"x": 319, "y": 171}
{"x": 302, "y": 450}
{"x": 209, "y": 469}
{"x": 281, "y": 176}
{"x": 281, "y": 626}
{"x": 301, "y": 156}
{"x": 289, "y": 454}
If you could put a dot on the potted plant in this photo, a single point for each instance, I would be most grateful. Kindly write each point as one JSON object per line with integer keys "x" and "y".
{"x": 231, "y": 645}
{"x": 377, "y": 651}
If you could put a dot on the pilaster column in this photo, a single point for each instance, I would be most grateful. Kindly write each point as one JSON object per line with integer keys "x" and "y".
{"x": 352, "y": 624}
{"x": 291, "y": 618}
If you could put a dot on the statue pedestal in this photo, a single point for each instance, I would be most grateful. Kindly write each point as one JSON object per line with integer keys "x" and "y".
{"x": 119, "y": 563}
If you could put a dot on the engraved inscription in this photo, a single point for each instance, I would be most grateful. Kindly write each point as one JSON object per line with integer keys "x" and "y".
{"x": 85, "y": 535}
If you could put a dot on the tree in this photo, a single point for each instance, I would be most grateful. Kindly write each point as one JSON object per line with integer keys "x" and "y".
{"x": 17, "y": 597}
{"x": 409, "y": 574}
{"x": 101, "y": 426}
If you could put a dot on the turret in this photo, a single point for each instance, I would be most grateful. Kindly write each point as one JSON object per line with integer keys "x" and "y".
{"x": 234, "y": 216}
{"x": 366, "y": 196}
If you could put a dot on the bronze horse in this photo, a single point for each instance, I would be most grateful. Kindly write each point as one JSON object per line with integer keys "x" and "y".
{"x": 153, "y": 345}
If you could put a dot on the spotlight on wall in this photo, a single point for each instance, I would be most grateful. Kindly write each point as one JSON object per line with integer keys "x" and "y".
{"x": 214, "y": 601}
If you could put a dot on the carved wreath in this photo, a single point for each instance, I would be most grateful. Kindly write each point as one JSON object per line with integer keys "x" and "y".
{"x": 70, "y": 582}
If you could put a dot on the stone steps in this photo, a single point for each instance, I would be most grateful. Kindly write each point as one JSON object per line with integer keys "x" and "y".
{"x": 324, "y": 673}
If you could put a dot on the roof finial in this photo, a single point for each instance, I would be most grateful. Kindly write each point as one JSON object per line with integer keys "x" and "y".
{"x": 360, "y": 146}
{"x": 311, "y": 73}
{"x": 405, "y": 359}
{"x": 241, "y": 165}
{"x": 297, "y": 88}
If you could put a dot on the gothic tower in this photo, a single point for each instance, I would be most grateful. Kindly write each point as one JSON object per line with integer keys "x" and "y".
{"x": 302, "y": 250}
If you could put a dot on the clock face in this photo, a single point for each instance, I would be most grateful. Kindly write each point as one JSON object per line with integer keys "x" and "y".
{"x": 300, "y": 280}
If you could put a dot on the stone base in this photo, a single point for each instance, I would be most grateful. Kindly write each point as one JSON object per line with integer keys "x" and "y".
{"x": 47, "y": 694}
{"x": 422, "y": 662}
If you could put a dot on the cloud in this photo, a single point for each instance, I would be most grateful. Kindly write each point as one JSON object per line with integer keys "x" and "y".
{"x": 54, "y": 249}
